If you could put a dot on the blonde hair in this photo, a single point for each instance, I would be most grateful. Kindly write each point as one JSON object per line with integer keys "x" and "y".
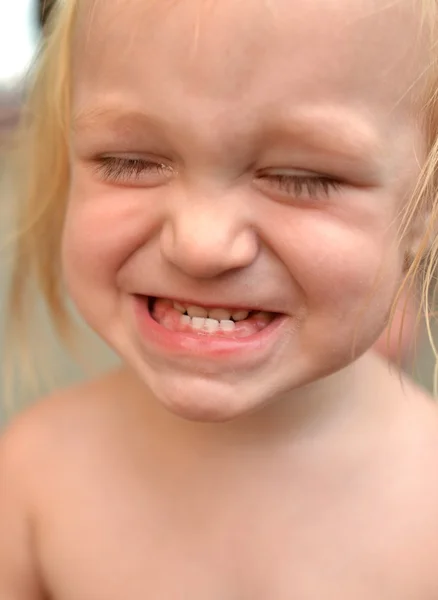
{"x": 42, "y": 180}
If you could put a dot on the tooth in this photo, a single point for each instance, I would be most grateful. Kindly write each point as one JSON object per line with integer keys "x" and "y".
{"x": 211, "y": 325}
{"x": 219, "y": 314}
{"x": 226, "y": 325}
{"x": 179, "y": 307}
{"x": 240, "y": 315}
{"x": 265, "y": 316}
{"x": 198, "y": 323}
{"x": 197, "y": 311}
{"x": 185, "y": 320}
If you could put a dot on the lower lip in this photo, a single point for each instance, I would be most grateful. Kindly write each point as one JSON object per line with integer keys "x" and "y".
{"x": 202, "y": 344}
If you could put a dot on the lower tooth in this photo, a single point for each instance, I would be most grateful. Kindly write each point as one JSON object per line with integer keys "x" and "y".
{"x": 208, "y": 325}
{"x": 227, "y": 325}
{"x": 198, "y": 323}
{"x": 211, "y": 325}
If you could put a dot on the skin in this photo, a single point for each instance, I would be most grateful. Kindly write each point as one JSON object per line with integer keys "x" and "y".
{"x": 307, "y": 474}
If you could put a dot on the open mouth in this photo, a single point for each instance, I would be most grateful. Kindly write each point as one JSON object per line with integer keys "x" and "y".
{"x": 181, "y": 317}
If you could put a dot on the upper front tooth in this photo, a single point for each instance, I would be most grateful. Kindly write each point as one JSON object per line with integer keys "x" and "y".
{"x": 241, "y": 315}
{"x": 179, "y": 307}
{"x": 197, "y": 311}
{"x": 219, "y": 314}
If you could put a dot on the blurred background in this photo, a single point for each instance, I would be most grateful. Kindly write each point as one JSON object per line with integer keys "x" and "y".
{"x": 19, "y": 37}
{"x": 20, "y": 33}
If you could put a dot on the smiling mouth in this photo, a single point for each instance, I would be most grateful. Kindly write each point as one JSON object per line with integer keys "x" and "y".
{"x": 181, "y": 317}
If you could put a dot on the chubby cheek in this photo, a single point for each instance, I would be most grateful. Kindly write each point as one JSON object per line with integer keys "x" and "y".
{"x": 103, "y": 227}
{"x": 349, "y": 270}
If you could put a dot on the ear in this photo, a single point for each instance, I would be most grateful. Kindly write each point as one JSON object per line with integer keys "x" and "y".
{"x": 420, "y": 235}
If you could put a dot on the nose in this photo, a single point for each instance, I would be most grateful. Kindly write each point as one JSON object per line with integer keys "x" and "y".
{"x": 206, "y": 239}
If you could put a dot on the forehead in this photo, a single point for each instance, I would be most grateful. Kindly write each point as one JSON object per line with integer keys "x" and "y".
{"x": 264, "y": 52}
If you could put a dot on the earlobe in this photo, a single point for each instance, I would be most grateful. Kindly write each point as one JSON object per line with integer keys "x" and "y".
{"x": 420, "y": 237}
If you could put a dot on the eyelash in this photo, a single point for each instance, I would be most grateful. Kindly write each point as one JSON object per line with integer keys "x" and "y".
{"x": 118, "y": 169}
{"x": 301, "y": 185}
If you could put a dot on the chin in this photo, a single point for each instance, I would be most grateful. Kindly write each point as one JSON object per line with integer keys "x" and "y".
{"x": 202, "y": 391}
{"x": 206, "y": 401}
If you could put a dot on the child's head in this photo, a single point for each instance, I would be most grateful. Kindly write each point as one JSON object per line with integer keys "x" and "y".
{"x": 258, "y": 155}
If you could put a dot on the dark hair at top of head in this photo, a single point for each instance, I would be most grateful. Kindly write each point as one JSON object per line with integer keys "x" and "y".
{"x": 44, "y": 8}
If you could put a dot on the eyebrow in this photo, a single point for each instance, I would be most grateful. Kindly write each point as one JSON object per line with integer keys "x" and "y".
{"x": 112, "y": 117}
{"x": 331, "y": 128}
{"x": 336, "y": 130}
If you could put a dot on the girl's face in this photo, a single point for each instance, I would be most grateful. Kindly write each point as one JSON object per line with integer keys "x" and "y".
{"x": 245, "y": 156}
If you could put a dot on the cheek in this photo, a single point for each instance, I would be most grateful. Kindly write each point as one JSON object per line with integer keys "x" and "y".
{"x": 348, "y": 273}
{"x": 103, "y": 227}
{"x": 342, "y": 265}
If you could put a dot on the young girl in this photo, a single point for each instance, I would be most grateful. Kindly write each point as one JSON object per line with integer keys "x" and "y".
{"x": 234, "y": 194}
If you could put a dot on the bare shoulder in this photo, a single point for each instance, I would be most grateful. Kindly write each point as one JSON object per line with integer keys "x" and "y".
{"x": 47, "y": 453}
{"x": 54, "y": 425}
{"x": 31, "y": 452}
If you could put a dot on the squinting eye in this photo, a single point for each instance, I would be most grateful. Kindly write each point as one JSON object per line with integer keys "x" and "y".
{"x": 135, "y": 170}
{"x": 300, "y": 186}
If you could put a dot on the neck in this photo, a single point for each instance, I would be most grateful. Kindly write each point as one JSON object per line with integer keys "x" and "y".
{"x": 350, "y": 400}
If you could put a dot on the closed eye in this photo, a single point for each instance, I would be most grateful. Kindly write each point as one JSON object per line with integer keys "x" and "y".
{"x": 301, "y": 186}
{"x": 132, "y": 170}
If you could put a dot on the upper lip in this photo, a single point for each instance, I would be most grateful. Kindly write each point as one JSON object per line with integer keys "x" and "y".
{"x": 238, "y": 305}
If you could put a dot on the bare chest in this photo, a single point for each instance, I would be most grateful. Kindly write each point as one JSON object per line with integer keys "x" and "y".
{"x": 172, "y": 547}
